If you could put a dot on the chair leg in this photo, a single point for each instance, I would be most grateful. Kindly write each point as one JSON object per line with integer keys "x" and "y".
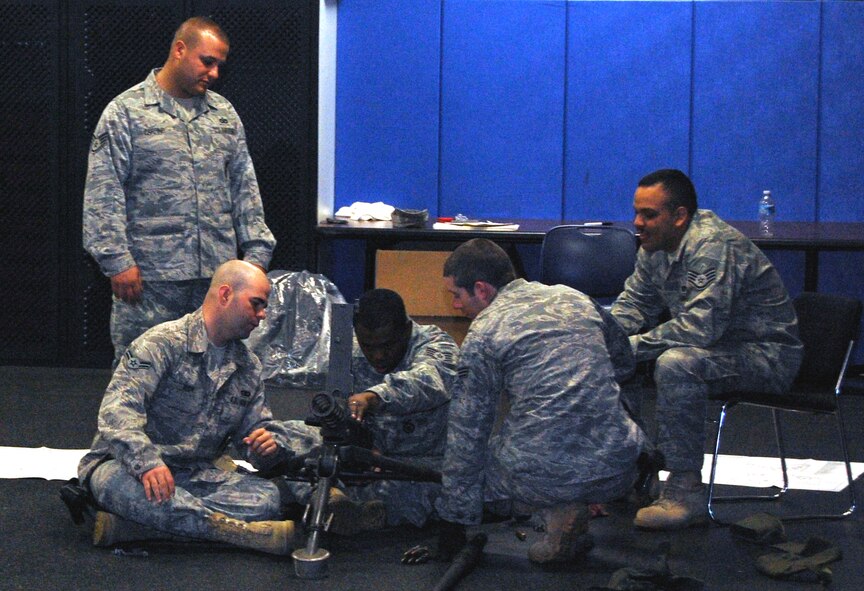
{"x": 781, "y": 450}
{"x": 853, "y": 503}
{"x": 782, "y": 453}
{"x": 720, "y": 421}
{"x": 727, "y": 406}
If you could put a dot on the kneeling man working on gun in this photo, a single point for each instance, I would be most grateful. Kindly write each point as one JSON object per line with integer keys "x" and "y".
{"x": 537, "y": 352}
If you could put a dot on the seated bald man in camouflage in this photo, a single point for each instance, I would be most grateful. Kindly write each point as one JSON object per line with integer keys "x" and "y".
{"x": 536, "y": 423}
{"x": 732, "y": 327}
{"x": 182, "y": 393}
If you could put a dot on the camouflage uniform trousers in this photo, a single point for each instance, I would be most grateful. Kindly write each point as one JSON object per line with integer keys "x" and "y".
{"x": 199, "y": 492}
{"x": 686, "y": 376}
{"x": 502, "y": 498}
{"x": 160, "y": 302}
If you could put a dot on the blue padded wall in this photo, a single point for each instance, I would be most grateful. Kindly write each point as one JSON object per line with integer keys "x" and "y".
{"x": 756, "y": 72}
{"x": 628, "y": 101}
{"x": 502, "y": 108}
{"x": 553, "y": 109}
{"x": 387, "y": 102}
{"x": 841, "y": 170}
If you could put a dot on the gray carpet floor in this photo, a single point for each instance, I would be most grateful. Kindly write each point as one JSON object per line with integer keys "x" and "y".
{"x": 40, "y": 547}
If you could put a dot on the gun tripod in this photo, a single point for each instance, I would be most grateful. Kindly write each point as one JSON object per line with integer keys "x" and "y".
{"x": 339, "y": 459}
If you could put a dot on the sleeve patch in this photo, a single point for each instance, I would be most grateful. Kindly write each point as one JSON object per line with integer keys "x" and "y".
{"x": 133, "y": 362}
{"x": 701, "y": 280}
{"x": 98, "y": 142}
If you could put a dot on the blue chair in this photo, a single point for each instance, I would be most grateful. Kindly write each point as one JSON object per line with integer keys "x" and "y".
{"x": 828, "y": 325}
{"x": 596, "y": 260}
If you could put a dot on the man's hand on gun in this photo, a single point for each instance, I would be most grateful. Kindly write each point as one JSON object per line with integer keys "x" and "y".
{"x": 359, "y": 403}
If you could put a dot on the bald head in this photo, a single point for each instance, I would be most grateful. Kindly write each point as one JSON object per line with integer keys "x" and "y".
{"x": 236, "y": 301}
{"x": 236, "y": 274}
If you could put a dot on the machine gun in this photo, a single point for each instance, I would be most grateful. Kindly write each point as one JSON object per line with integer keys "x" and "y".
{"x": 345, "y": 454}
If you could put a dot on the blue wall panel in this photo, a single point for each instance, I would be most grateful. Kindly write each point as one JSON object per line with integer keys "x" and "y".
{"x": 628, "y": 101}
{"x": 502, "y": 108}
{"x": 841, "y": 171}
{"x": 755, "y": 106}
{"x": 387, "y": 102}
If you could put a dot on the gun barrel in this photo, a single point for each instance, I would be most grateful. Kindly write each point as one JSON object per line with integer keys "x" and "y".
{"x": 463, "y": 563}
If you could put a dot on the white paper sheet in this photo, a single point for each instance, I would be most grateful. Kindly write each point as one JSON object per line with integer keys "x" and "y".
{"x": 47, "y": 463}
{"x": 765, "y": 472}
{"x": 62, "y": 464}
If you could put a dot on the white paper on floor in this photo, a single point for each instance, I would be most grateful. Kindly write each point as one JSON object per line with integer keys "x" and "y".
{"x": 62, "y": 464}
{"x": 47, "y": 463}
{"x": 764, "y": 472}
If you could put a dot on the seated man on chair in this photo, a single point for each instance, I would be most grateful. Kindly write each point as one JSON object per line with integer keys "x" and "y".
{"x": 536, "y": 420}
{"x": 732, "y": 327}
{"x": 181, "y": 393}
{"x": 403, "y": 373}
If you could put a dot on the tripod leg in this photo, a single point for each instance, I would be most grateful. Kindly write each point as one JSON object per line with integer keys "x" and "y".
{"x": 311, "y": 562}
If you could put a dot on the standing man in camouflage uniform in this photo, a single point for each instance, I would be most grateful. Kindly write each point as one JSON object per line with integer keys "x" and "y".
{"x": 171, "y": 191}
{"x": 182, "y": 393}
{"x": 564, "y": 440}
{"x": 732, "y": 327}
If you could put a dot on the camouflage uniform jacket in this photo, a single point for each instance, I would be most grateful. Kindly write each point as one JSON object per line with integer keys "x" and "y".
{"x": 720, "y": 290}
{"x": 175, "y": 198}
{"x": 163, "y": 406}
{"x": 538, "y": 354}
{"x": 411, "y": 421}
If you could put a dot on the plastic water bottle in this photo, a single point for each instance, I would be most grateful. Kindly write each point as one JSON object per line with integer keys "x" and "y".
{"x": 766, "y": 214}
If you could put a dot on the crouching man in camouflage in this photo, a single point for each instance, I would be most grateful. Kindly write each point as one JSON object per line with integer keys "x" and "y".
{"x": 182, "y": 392}
{"x": 403, "y": 373}
{"x": 564, "y": 440}
{"x": 402, "y": 376}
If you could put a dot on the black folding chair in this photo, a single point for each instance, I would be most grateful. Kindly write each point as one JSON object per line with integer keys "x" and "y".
{"x": 828, "y": 326}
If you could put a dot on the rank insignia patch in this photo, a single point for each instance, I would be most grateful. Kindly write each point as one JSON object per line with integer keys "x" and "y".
{"x": 701, "y": 280}
{"x": 98, "y": 142}
{"x": 133, "y": 362}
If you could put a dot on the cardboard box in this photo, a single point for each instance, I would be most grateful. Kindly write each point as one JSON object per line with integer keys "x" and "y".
{"x": 416, "y": 275}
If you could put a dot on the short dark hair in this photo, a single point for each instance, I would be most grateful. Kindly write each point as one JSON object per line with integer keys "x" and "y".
{"x": 479, "y": 260}
{"x": 190, "y": 30}
{"x": 380, "y": 308}
{"x": 677, "y": 185}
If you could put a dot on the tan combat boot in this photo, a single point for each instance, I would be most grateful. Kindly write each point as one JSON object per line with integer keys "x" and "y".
{"x": 682, "y": 503}
{"x": 351, "y": 517}
{"x": 273, "y": 537}
{"x": 564, "y": 524}
{"x": 110, "y": 529}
